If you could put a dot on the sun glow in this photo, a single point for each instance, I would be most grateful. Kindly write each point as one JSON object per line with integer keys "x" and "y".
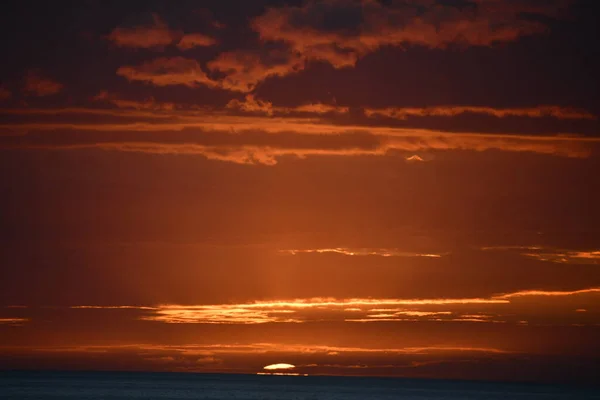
{"x": 279, "y": 366}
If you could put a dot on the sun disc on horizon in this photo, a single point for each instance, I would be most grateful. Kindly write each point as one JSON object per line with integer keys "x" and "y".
{"x": 279, "y": 366}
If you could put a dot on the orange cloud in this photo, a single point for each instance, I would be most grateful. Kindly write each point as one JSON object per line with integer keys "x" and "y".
{"x": 251, "y": 104}
{"x": 5, "y": 94}
{"x": 501, "y": 308}
{"x": 148, "y": 104}
{"x": 13, "y": 321}
{"x": 38, "y": 85}
{"x": 547, "y": 293}
{"x": 166, "y": 71}
{"x": 559, "y": 256}
{"x": 362, "y": 252}
{"x": 361, "y": 27}
{"x": 157, "y": 35}
{"x": 451, "y": 111}
{"x": 244, "y": 69}
{"x": 192, "y": 40}
{"x": 320, "y": 108}
{"x": 154, "y": 35}
{"x": 254, "y": 105}
{"x": 113, "y": 307}
{"x": 263, "y": 348}
{"x": 415, "y": 158}
{"x": 251, "y": 139}
{"x": 305, "y": 310}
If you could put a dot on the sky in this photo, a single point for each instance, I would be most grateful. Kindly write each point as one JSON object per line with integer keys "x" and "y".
{"x": 351, "y": 187}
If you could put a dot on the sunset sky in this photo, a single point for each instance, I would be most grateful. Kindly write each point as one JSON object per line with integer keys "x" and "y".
{"x": 397, "y": 188}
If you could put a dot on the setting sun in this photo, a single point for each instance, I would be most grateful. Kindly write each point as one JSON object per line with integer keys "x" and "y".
{"x": 279, "y": 367}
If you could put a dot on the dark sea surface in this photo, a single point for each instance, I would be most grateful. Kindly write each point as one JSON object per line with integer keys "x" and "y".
{"x": 127, "y": 385}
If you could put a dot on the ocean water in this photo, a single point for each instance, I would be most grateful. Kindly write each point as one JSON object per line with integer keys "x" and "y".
{"x": 124, "y": 385}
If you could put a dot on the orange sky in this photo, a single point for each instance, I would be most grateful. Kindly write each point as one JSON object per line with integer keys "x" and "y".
{"x": 352, "y": 187}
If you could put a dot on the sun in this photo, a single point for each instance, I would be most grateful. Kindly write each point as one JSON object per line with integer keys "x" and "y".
{"x": 280, "y": 369}
{"x": 284, "y": 366}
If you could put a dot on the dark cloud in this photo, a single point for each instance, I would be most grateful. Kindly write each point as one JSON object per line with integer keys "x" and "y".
{"x": 37, "y": 84}
{"x": 340, "y": 32}
{"x": 166, "y": 71}
{"x": 155, "y": 34}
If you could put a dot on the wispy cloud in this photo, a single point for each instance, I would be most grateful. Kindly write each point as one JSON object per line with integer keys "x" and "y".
{"x": 414, "y": 158}
{"x": 39, "y": 85}
{"x": 500, "y": 308}
{"x": 114, "y": 307}
{"x": 557, "y": 112}
{"x": 244, "y": 69}
{"x": 5, "y": 94}
{"x": 218, "y": 349}
{"x": 155, "y": 34}
{"x": 362, "y": 252}
{"x": 13, "y": 321}
{"x": 147, "y": 104}
{"x": 192, "y": 40}
{"x": 549, "y": 293}
{"x": 310, "y": 32}
{"x": 167, "y": 71}
{"x": 306, "y": 310}
{"x": 253, "y": 105}
{"x": 249, "y": 139}
{"x": 559, "y": 256}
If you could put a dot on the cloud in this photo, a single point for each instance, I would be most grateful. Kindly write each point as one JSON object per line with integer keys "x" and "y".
{"x": 209, "y": 351}
{"x": 167, "y": 71}
{"x": 13, "y": 321}
{"x": 38, "y": 85}
{"x": 306, "y": 310}
{"x": 340, "y": 32}
{"x": 148, "y": 104}
{"x": 253, "y": 105}
{"x": 454, "y": 360}
{"x": 192, "y": 40}
{"x": 154, "y": 35}
{"x": 451, "y": 111}
{"x": 244, "y": 69}
{"x": 552, "y": 307}
{"x": 558, "y": 256}
{"x": 361, "y": 252}
{"x": 5, "y": 94}
{"x": 415, "y": 158}
{"x": 113, "y": 307}
{"x": 250, "y": 139}
{"x": 548, "y": 293}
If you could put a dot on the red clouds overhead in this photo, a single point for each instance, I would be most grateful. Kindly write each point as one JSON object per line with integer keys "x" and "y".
{"x": 38, "y": 85}
{"x": 252, "y": 139}
{"x": 156, "y": 35}
{"x": 195, "y": 40}
{"x": 244, "y": 69}
{"x": 451, "y": 111}
{"x": 153, "y": 35}
{"x": 254, "y": 105}
{"x": 147, "y": 104}
{"x": 166, "y": 71}
{"x": 5, "y": 94}
{"x": 341, "y": 31}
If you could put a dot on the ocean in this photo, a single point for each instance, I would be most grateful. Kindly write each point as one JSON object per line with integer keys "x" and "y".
{"x": 129, "y": 385}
